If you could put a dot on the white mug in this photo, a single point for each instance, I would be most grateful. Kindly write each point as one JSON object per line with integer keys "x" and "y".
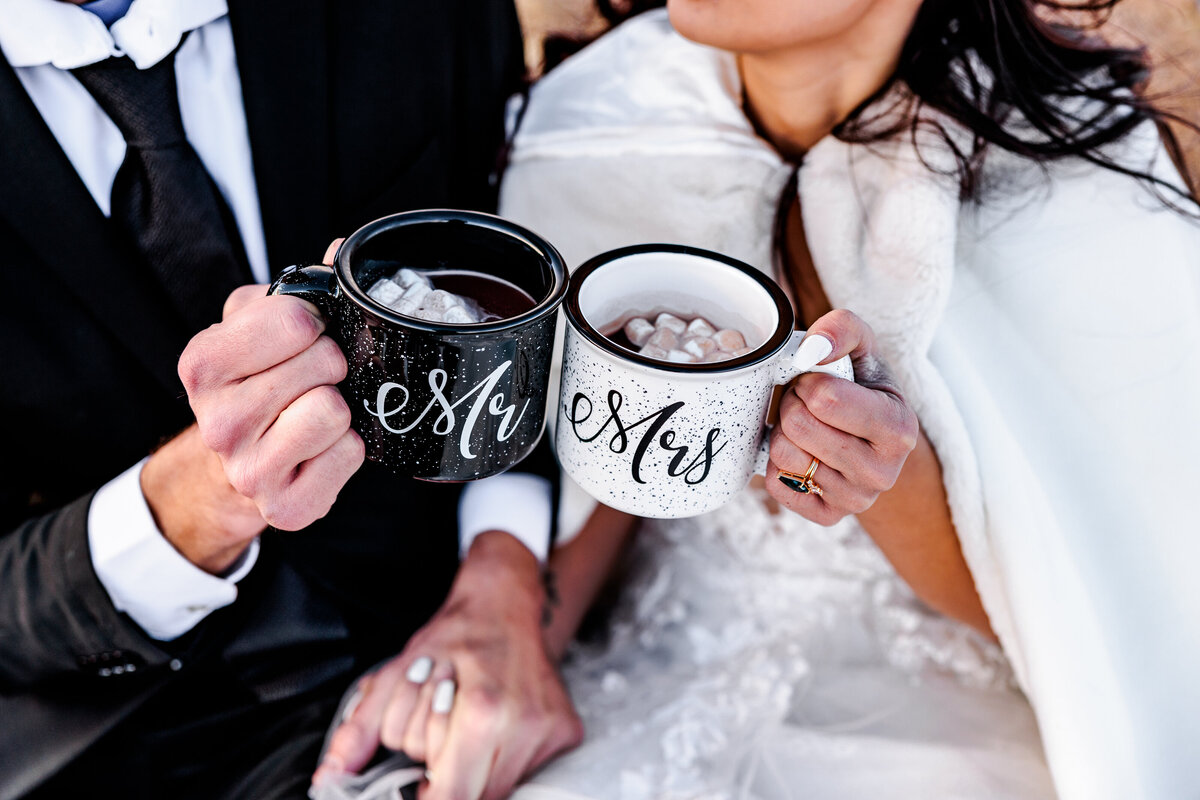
{"x": 663, "y": 439}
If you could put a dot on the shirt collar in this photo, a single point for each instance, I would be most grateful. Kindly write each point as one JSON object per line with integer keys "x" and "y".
{"x": 36, "y": 32}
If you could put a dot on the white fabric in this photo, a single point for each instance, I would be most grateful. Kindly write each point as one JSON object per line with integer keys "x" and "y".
{"x": 1049, "y": 340}
{"x": 140, "y": 569}
{"x": 146, "y": 577}
{"x": 519, "y": 504}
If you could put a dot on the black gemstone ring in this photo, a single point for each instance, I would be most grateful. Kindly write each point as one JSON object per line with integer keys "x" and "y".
{"x": 804, "y": 484}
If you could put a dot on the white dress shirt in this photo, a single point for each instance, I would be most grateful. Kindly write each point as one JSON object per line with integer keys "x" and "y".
{"x": 144, "y": 575}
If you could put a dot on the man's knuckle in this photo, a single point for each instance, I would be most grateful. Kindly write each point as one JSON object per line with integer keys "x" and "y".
{"x": 281, "y": 511}
{"x": 195, "y": 364}
{"x": 355, "y": 451}
{"x": 329, "y": 409}
{"x": 243, "y": 476}
{"x": 294, "y": 324}
{"x": 332, "y": 360}
{"x": 221, "y": 431}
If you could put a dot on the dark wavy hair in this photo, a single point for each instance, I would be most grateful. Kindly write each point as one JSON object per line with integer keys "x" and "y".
{"x": 1029, "y": 76}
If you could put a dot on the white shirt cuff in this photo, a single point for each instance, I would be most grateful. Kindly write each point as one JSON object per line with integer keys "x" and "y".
{"x": 516, "y": 503}
{"x": 145, "y": 576}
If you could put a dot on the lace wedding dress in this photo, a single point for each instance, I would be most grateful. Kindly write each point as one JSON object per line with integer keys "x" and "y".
{"x": 758, "y": 656}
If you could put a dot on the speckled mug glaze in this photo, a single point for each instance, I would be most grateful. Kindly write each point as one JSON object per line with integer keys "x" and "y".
{"x": 437, "y": 401}
{"x": 661, "y": 439}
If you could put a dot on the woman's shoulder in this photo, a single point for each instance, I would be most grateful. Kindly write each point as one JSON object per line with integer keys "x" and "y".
{"x": 1129, "y": 182}
{"x": 640, "y": 86}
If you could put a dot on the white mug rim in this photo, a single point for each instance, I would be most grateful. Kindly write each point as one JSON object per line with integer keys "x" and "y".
{"x": 764, "y": 352}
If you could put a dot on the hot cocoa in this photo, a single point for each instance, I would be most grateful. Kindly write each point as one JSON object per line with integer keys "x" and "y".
{"x": 457, "y": 297}
{"x": 678, "y": 338}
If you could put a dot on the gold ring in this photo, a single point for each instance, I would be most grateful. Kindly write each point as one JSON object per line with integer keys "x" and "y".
{"x": 804, "y": 484}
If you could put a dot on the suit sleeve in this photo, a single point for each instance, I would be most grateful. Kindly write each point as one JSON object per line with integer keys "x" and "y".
{"x": 55, "y": 617}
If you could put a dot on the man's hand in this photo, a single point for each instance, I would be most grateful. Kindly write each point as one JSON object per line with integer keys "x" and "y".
{"x": 268, "y": 413}
{"x": 510, "y": 712}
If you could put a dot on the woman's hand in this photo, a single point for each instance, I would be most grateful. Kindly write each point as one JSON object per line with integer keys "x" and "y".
{"x": 860, "y": 432}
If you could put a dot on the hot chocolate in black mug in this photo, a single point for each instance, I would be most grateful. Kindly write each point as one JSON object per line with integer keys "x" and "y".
{"x": 432, "y": 398}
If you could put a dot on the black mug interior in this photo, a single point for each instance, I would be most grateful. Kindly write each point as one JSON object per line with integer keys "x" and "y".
{"x": 449, "y": 240}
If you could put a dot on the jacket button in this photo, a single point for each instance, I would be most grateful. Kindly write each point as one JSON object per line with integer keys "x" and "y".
{"x": 175, "y": 665}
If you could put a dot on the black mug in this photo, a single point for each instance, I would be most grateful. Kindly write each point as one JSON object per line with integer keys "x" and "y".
{"x": 433, "y": 400}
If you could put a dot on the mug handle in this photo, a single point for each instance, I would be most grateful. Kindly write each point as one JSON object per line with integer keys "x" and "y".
{"x": 317, "y": 284}
{"x": 785, "y": 372}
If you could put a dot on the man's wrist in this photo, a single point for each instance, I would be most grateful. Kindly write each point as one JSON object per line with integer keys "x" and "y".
{"x": 194, "y": 506}
{"x": 500, "y": 566}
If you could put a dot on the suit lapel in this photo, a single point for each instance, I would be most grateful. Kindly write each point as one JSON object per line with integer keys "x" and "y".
{"x": 46, "y": 203}
{"x": 282, "y": 52}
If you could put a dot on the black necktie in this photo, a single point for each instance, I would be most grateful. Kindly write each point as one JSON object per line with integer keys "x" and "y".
{"x": 162, "y": 197}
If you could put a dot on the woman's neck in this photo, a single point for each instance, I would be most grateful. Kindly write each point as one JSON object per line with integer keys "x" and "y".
{"x": 796, "y": 96}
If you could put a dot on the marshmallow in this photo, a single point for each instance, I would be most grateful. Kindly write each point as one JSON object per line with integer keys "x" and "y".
{"x": 410, "y": 293}
{"x": 680, "y": 356}
{"x": 385, "y": 292}
{"x": 407, "y": 277}
{"x": 416, "y": 293}
{"x": 638, "y": 330}
{"x": 441, "y": 301}
{"x": 729, "y": 340}
{"x": 459, "y": 315}
{"x": 700, "y": 327}
{"x": 407, "y": 307}
{"x": 671, "y": 338}
{"x": 699, "y": 346}
{"x": 665, "y": 338}
{"x": 671, "y": 323}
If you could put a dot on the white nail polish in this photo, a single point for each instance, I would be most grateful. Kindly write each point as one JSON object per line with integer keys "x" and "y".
{"x": 443, "y": 697}
{"x": 419, "y": 670}
{"x": 813, "y": 350}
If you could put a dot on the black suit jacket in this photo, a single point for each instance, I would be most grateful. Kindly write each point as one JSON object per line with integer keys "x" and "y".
{"x": 355, "y": 110}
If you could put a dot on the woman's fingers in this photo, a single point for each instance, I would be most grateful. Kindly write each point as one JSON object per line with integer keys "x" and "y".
{"x": 438, "y": 721}
{"x": 357, "y": 737}
{"x": 863, "y": 433}
{"x": 411, "y": 717}
{"x": 860, "y": 431}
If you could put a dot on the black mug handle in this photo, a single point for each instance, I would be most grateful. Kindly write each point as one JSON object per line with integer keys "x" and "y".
{"x": 317, "y": 284}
